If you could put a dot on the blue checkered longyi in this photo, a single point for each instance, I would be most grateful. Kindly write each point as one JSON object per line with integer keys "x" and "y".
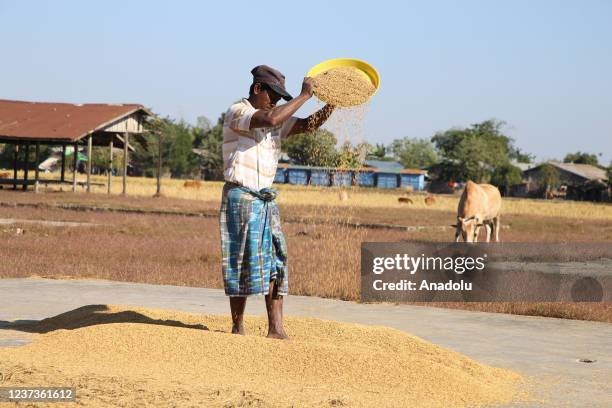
{"x": 253, "y": 246}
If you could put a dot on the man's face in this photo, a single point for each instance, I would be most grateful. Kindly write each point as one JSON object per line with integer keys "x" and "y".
{"x": 264, "y": 97}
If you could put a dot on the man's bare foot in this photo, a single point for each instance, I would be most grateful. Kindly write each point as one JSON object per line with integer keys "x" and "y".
{"x": 237, "y": 305}
{"x": 238, "y": 329}
{"x": 277, "y": 334}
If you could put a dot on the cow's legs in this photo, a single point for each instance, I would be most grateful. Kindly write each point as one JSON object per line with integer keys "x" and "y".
{"x": 488, "y": 227}
{"x": 496, "y": 226}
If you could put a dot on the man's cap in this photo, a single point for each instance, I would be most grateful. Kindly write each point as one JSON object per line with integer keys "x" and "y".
{"x": 273, "y": 78}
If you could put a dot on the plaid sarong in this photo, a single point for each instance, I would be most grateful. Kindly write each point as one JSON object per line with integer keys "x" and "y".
{"x": 253, "y": 246}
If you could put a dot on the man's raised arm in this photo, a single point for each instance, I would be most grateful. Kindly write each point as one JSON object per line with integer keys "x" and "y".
{"x": 312, "y": 122}
{"x": 278, "y": 115}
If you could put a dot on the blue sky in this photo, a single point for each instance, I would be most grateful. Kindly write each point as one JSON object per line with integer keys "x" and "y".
{"x": 544, "y": 67}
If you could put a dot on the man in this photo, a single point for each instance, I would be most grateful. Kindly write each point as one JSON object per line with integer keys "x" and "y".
{"x": 253, "y": 246}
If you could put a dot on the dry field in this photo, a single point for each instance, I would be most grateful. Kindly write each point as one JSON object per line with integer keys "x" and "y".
{"x": 358, "y": 198}
{"x": 170, "y": 248}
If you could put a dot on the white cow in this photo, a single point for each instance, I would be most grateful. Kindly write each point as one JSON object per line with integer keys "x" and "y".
{"x": 480, "y": 204}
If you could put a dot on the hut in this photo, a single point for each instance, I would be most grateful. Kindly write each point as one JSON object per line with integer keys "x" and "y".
{"x": 281, "y": 173}
{"x": 306, "y": 175}
{"x": 24, "y": 125}
{"x": 366, "y": 178}
{"x": 413, "y": 178}
{"x": 576, "y": 182}
{"x": 298, "y": 175}
{"x": 386, "y": 179}
{"x": 391, "y": 174}
{"x": 320, "y": 176}
{"x": 342, "y": 178}
{"x": 387, "y": 175}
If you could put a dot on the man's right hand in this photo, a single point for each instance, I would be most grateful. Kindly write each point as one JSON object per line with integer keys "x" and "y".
{"x": 308, "y": 86}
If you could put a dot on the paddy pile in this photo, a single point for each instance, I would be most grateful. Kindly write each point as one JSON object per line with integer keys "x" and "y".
{"x": 125, "y": 356}
{"x": 343, "y": 87}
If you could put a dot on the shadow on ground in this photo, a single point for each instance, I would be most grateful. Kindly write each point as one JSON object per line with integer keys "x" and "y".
{"x": 89, "y": 315}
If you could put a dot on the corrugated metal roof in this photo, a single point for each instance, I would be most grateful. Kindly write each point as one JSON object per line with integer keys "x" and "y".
{"x": 522, "y": 166}
{"x": 585, "y": 171}
{"x": 58, "y": 121}
{"x": 317, "y": 168}
{"x": 383, "y": 165}
{"x": 413, "y": 171}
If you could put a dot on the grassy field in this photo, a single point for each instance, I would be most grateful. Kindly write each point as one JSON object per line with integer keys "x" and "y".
{"x": 324, "y": 246}
{"x": 356, "y": 197}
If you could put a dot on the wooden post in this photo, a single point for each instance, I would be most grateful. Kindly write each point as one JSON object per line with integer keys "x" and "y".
{"x": 126, "y": 139}
{"x": 26, "y": 166}
{"x": 63, "y": 178}
{"x": 110, "y": 164}
{"x": 75, "y": 162}
{"x": 89, "y": 148}
{"x": 159, "y": 164}
{"x": 37, "y": 160}
{"x": 15, "y": 160}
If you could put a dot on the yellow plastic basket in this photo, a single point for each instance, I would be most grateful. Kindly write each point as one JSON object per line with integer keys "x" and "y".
{"x": 366, "y": 69}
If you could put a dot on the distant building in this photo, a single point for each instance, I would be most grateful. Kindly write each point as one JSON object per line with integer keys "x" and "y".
{"x": 391, "y": 174}
{"x": 576, "y": 182}
{"x": 523, "y": 166}
{"x": 384, "y": 165}
{"x": 27, "y": 126}
{"x": 375, "y": 173}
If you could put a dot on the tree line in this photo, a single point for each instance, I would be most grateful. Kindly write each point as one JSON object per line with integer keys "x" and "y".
{"x": 481, "y": 152}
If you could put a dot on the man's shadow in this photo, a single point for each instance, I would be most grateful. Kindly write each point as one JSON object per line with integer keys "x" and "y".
{"x": 89, "y": 315}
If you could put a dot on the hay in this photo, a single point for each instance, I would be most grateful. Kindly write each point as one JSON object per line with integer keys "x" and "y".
{"x": 179, "y": 359}
{"x": 192, "y": 184}
{"x": 343, "y": 87}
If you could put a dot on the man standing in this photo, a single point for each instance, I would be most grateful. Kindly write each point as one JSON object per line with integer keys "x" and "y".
{"x": 253, "y": 246}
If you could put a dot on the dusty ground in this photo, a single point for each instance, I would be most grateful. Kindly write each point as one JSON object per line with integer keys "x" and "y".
{"x": 131, "y": 356}
{"x": 184, "y": 250}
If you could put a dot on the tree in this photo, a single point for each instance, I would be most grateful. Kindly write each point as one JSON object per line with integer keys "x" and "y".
{"x": 352, "y": 157}
{"x": 473, "y": 153}
{"x": 505, "y": 176}
{"x": 210, "y": 146}
{"x": 177, "y": 144}
{"x": 476, "y": 163}
{"x": 378, "y": 152}
{"x": 313, "y": 149}
{"x": 520, "y": 156}
{"x": 7, "y": 154}
{"x": 144, "y": 158}
{"x": 581, "y": 158}
{"x": 203, "y": 125}
{"x": 182, "y": 160}
{"x": 414, "y": 153}
{"x": 549, "y": 177}
{"x": 609, "y": 174}
{"x": 100, "y": 156}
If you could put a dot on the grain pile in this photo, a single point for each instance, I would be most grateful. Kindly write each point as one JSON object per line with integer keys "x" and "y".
{"x": 343, "y": 87}
{"x": 119, "y": 356}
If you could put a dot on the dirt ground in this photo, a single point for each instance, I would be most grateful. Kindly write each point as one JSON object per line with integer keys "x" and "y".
{"x": 184, "y": 250}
